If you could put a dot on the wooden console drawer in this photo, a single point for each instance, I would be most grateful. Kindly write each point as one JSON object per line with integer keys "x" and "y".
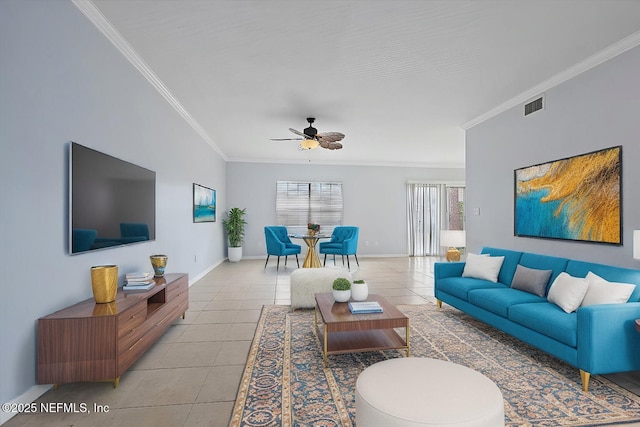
{"x": 179, "y": 303}
{"x": 132, "y": 318}
{"x": 129, "y": 339}
{"x": 162, "y": 320}
{"x": 130, "y": 354}
{"x": 177, "y": 289}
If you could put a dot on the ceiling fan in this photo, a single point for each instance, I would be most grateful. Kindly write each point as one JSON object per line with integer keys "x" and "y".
{"x": 310, "y": 138}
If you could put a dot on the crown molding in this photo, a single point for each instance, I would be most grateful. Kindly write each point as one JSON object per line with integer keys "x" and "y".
{"x": 350, "y": 163}
{"x": 90, "y": 10}
{"x": 604, "y": 55}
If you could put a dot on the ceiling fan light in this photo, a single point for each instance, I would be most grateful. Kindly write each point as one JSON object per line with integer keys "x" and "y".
{"x": 309, "y": 144}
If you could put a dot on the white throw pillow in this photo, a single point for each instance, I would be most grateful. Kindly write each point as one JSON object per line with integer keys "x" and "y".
{"x": 567, "y": 292}
{"x": 602, "y": 291}
{"x": 483, "y": 267}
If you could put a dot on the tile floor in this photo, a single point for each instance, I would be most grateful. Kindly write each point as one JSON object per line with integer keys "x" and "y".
{"x": 191, "y": 375}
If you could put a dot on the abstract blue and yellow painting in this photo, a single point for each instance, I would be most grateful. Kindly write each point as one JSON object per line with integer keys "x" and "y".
{"x": 204, "y": 204}
{"x": 577, "y": 198}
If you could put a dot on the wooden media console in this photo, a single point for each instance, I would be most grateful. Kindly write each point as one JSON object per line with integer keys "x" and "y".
{"x": 99, "y": 342}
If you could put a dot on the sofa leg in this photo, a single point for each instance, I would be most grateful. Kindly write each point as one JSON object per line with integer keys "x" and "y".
{"x": 439, "y": 303}
{"x": 585, "y": 376}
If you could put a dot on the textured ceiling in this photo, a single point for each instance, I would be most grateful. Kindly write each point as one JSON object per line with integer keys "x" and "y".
{"x": 399, "y": 78}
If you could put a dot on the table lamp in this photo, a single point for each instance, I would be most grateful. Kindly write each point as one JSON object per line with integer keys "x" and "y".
{"x": 453, "y": 239}
{"x": 636, "y": 244}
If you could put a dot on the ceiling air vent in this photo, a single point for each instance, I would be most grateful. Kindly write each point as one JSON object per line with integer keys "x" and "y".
{"x": 533, "y": 106}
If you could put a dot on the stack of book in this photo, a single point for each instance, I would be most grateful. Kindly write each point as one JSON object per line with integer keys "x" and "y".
{"x": 138, "y": 282}
{"x": 365, "y": 307}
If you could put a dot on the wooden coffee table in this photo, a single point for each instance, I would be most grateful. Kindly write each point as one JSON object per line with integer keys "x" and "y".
{"x": 343, "y": 332}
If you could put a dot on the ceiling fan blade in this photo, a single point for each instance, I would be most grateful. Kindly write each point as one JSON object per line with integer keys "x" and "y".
{"x": 286, "y": 139}
{"x": 331, "y": 145}
{"x": 298, "y": 133}
{"x": 330, "y": 136}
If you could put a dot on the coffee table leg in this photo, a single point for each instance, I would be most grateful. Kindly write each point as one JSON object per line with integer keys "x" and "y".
{"x": 326, "y": 359}
{"x": 407, "y": 339}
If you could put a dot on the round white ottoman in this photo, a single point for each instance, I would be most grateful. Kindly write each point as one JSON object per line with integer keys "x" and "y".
{"x": 417, "y": 391}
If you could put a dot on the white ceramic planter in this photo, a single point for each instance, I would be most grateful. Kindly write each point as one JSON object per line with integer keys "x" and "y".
{"x": 341, "y": 296}
{"x": 359, "y": 291}
{"x": 235, "y": 254}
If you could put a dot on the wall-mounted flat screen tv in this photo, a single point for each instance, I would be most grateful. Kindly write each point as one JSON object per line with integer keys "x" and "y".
{"x": 111, "y": 202}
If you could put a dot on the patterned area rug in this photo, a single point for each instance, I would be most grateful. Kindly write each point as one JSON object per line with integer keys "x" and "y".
{"x": 285, "y": 382}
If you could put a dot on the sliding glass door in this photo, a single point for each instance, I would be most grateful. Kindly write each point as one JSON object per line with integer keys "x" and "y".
{"x": 431, "y": 208}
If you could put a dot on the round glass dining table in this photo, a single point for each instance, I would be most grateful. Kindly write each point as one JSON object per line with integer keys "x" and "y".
{"x": 311, "y": 260}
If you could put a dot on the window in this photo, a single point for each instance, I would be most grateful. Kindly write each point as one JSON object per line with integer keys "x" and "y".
{"x": 299, "y": 203}
{"x": 455, "y": 208}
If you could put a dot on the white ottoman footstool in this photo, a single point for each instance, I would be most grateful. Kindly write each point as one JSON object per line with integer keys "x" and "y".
{"x": 416, "y": 391}
{"x": 305, "y": 282}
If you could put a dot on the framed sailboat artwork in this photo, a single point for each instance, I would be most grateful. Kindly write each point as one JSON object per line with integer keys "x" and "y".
{"x": 204, "y": 204}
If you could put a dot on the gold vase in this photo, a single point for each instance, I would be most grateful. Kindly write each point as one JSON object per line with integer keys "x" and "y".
{"x": 104, "y": 283}
{"x": 158, "y": 262}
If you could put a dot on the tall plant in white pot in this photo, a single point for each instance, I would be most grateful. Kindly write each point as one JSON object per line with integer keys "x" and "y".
{"x": 234, "y": 224}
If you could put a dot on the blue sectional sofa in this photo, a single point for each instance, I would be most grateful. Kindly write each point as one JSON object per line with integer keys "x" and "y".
{"x": 596, "y": 339}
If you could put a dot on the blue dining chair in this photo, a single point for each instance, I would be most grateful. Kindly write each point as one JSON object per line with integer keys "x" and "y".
{"x": 344, "y": 241}
{"x": 279, "y": 244}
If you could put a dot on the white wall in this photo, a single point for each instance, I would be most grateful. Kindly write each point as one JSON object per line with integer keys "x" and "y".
{"x": 63, "y": 81}
{"x": 595, "y": 110}
{"x": 374, "y": 199}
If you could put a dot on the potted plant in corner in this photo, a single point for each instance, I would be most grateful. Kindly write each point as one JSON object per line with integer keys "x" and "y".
{"x": 341, "y": 289}
{"x": 234, "y": 224}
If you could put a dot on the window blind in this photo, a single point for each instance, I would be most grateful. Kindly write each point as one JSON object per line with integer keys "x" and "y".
{"x": 299, "y": 203}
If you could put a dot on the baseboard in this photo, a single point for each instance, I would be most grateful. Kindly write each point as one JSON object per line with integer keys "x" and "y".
{"x": 33, "y": 393}
{"x": 194, "y": 279}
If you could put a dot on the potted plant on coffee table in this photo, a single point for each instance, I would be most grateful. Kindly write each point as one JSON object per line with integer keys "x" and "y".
{"x": 359, "y": 290}
{"x": 341, "y": 289}
{"x": 234, "y": 225}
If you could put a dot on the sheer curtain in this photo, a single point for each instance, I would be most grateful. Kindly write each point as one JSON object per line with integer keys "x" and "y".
{"x": 427, "y": 210}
